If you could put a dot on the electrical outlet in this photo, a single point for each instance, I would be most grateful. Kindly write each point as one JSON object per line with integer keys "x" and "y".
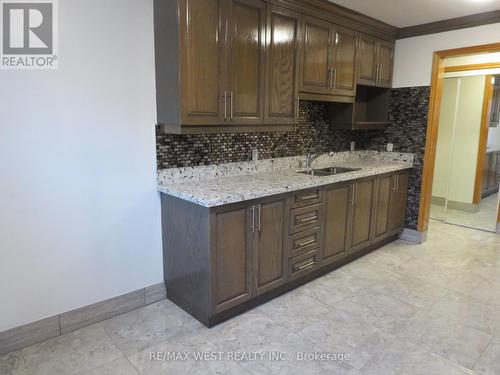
{"x": 390, "y": 147}
{"x": 353, "y": 146}
{"x": 255, "y": 154}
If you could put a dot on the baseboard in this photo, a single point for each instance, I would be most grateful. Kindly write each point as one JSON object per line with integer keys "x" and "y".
{"x": 455, "y": 205}
{"x": 32, "y": 333}
{"x": 414, "y": 236}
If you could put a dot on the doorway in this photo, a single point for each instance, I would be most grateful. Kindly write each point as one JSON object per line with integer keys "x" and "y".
{"x": 461, "y": 163}
{"x": 465, "y": 182}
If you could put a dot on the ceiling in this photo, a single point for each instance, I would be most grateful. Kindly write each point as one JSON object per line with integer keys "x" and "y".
{"x": 403, "y": 13}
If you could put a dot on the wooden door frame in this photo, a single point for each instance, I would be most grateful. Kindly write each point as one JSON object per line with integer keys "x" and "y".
{"x": 483, "y": 138}
{"x": 437, "y": 82}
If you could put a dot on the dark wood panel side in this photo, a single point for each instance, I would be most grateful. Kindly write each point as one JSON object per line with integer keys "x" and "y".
{"x": 186, "y": 255}
{"x": 449, "y": 25}
{"x": 166, "y": 55}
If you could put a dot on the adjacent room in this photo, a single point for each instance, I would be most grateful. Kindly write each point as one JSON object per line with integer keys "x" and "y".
{"x": 249, "y": 187}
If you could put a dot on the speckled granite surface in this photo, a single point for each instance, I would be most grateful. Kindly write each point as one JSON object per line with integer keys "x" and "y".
{"x": 217, "y": 185}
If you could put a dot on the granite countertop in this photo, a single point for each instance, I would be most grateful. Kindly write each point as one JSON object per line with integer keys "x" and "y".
{"x": 492, "y": 149}
{"x": 213, "y": 186}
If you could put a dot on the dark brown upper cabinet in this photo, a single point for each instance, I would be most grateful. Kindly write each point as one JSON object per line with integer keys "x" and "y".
{"x": 239, "y": 65}
{"x": 328, "y": 61}
{"x": 282, "y": 68}
{"x": 376, "y": 62}
{"x": 245, "y": 69}
{"x": 210, "y": 66}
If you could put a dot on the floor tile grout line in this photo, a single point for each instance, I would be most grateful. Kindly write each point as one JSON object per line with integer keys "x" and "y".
{"x": 484, "y": 351}
{"x": 119, "y": 349}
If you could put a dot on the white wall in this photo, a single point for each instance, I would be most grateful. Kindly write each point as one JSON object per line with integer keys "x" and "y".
{"x": 79, "y": 212}
{"x": 413, "y": 58}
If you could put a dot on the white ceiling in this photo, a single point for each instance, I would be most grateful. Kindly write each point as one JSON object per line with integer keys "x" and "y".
{"x": 403, "y": 13}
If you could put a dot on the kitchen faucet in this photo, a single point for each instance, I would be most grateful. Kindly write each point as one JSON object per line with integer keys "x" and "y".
{"x": 312, "y": 155}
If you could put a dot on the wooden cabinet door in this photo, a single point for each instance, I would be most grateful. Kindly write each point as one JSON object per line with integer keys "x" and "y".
{"x": 336, "y": 223}
{"x": 344, "y": 62}
{"x": 269, "y": 267}
{"x": 244, "y": 95}
{"x": 282, "y": 68}
{"x": 386, "y": 64}
{"x": 202, "y": 51}
{"x": 397, "y": 205}
{"x": 384, "y": 190}
{"x": 367, "y": 61}
{"x": 316, "y": 74}
{"x": 362, "y": 202}
{"x": 232, "y": 258}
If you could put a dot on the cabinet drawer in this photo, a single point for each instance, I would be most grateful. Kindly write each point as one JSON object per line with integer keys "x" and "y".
{"x": 304, "y": 264}
{"x": 305, "y": 218}
{"x": 303, "y": 242}
{"x": 307, "y": 197}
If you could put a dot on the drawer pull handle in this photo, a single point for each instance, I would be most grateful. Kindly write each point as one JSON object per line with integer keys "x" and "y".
{"x": 304, "y": 266}
{"x": 308, "y": 197}
{"x": 309, "y": 242}
{"x": 308, "y": 219}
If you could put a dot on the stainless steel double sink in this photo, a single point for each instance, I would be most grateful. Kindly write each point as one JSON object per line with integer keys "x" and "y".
{"x": 330, "y": 171}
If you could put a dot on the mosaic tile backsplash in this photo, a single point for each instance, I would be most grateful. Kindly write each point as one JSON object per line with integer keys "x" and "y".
{"x": 408, "y": 112}
{"x": 312, "y": 129}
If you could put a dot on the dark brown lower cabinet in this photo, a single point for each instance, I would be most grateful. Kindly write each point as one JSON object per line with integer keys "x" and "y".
{"x": 269, "y": 264}
{"x": 233, "y": 254}
{"x": 338, "y": 213}
{"x": 397, "y": 203}
{"x": 362, "y": 211}
{"x": 219, "y": 261}
{"x": 390, "y": 205}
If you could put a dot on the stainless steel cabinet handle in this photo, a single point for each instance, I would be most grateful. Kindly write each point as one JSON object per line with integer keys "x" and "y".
{"x": 309, "y": 242}
{"x": 335, "y": 78}
{"x": 304, "y": 266}
{"x": 397, "y": 183}
{"x": 253, "y": 219}
{"x": 259, "y": 217}
{"x": 379, "y": 73}
{"x": 225, "y": 105}
{"x": 297, "y": 110}
{"x": 394, "y": 183}
{"x": 353, "y": 199}
{"x": 232, "y": 101}
{"x": 307, "y": 197}
{"x": 330, "y": 78}
{"x": 308, "y": 219}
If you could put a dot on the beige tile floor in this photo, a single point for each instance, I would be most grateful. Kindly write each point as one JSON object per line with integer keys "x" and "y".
{"x": 485, "y": 218}
{"x": 404, "y": 309}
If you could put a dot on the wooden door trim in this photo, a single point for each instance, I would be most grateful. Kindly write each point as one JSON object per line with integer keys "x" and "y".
{"x": 438, "y": 70}
{"x": 483, "y": 138}
{"x": 465, "y": 68}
